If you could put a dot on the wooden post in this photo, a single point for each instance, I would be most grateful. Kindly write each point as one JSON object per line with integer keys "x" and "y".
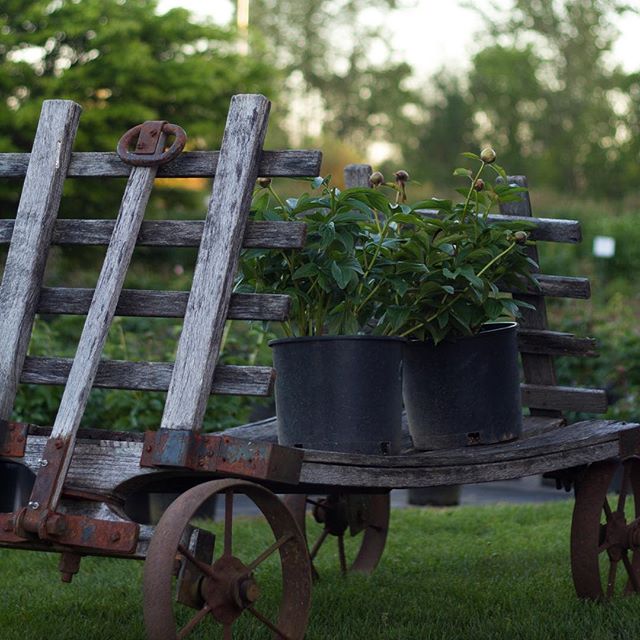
{"x": 32, "y": 233}
{"x": 220, "y": 246}
{"x": 357, "y": 175}
{"x": 538, "y": 369}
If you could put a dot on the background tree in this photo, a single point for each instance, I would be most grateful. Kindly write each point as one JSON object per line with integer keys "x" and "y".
{"x": 125, "y": 64}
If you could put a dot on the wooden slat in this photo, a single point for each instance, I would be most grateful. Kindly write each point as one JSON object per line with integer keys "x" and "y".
{"x": 539, "y": 369}
{"x": 163, "y": 304}
{"x": 555, "y": 343}
{"x": 559, "y": 398}
{"x": 169, "y": 233}
{"x": 555, "y": 287}
{"x": 547, "y": 229}
{"x": 218, "y": 256}
{"x": 294, "y": 163}
{"x": 148, "y": 376}
{"x": 26, "y": 260}
{"x": 98, "y": 322}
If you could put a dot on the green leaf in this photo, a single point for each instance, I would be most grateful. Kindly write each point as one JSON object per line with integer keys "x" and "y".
{"x": 471, "y": 156}
{"x": 461, "y": 171}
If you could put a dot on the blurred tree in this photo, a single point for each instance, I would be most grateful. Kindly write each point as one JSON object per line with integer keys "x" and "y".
{"x": 442, "y": 130}
{"x": 125, "y": 64}
{"x": 340, "y": 69}
{"x": 558, "y": 52}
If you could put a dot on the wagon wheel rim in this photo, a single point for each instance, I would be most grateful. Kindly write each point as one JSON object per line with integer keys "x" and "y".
{"x": 605, "y": 533}
{"x": 227, "y": 588}
{"x": 374, "y": 527}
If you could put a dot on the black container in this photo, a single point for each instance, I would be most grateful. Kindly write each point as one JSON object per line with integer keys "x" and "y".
{"x": 464, "y": 391}
{"x": 339, "y": 393}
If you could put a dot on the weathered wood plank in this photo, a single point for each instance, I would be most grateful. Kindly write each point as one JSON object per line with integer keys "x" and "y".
{"x": 37, "y": 211}
{"x": 539, "y": 369}
{"x": 148, "y": 376}
{"x": 295, "y": 163}
{"x": 267, "y": 430}
{"x": 555, "y": 343}
{"x": 208, "y": 303}
{"x": 163, "y": 304}
{"x": 103, "y": 305}
{"x": 546, "y": 229}
{"x": 169, "y": 233}
{"x": 555, "y": 287}
{"x": 119, "y": 461}
{"x": 541, "y": 396}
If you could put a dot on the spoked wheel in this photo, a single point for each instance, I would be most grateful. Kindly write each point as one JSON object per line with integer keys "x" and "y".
{"x": 605, "y": 536}
{"x": 182, "y": 569}
{"x": 365, "y": 516}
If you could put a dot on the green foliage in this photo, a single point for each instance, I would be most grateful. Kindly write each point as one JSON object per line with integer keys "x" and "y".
{"x": 138, "y": 339}
{"x": 497, "y": 572}
{"x": 375, "y": 264}
{"x": 124, "y": 64}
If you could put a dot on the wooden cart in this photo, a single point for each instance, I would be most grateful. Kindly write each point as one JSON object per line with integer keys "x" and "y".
{"x": 81, "y": 477}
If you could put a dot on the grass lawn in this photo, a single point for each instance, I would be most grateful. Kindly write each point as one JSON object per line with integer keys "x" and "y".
{"x": 471, "y": 572}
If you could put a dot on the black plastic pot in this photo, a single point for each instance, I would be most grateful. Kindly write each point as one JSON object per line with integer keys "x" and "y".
{"x": 339, "y": 393}
{"x": 464, "y": 391}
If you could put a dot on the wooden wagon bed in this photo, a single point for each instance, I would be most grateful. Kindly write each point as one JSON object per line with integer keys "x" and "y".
{"x": 547, "y": 445}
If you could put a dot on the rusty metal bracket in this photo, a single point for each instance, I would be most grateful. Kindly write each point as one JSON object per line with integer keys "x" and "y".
{"x": 38, "y": 521}
{"x": 13, "y": 439}
{"x": 629, "y": 443}
{"x": 150, "y": 139}
{"x": 222, "y": 454}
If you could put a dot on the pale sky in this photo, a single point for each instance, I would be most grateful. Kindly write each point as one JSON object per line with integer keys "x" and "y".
{"x": 435, "y": 33}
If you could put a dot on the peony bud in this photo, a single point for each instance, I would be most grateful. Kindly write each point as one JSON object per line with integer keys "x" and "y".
{"x": 478, "y": 185}
{"x": 264, "y": 182}
{"x": 401, "y": 176}
{"x": 376, "y": 179}
{"x": 488, "y": 155}
{"x": 521, "y": 237}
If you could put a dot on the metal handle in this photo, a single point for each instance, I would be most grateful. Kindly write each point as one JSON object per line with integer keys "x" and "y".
{"x": 149, "y": 148}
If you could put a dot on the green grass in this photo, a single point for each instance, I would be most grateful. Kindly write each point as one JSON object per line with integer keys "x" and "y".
{"x": 471, "y": 572}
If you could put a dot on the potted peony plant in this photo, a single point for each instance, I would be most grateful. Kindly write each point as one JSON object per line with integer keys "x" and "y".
{"x": 338, "y": 384}
{"x": 461, "y": 378}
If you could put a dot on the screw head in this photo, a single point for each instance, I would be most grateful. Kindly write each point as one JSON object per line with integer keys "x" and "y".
{"x": 33, "y": 505}
{"x": 43, "y": 463}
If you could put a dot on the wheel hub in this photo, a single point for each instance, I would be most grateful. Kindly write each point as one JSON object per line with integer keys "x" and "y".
{"x": 230, "y": 589}
{"x": 617, "y": 535}
{"x": 332, "y": 513}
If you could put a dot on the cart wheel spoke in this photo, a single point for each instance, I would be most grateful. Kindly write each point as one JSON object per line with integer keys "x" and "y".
{"x": 267, "y": 552}
{"x": 194, "y": 622}
{"x": 228, "y": 522}
{"x": 267, "y": 623}
{"x": 202, "y": 566}
{"x": 622, "y": 498}
{"x": 611, "y": 580}
{"x": 607, "y": 509}
{"x": 342, "y": 555}
{"x": 318, "y": 543}
{"x": 633, "y": 576}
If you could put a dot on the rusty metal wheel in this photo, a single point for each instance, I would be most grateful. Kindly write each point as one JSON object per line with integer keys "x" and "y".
{"x": 363, "y": 516}
{"x": 605, "y": 536}
{"x": 182, "y": 572}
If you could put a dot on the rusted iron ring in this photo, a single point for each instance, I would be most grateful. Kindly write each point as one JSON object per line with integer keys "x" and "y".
{"x": 149, "y": 149}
